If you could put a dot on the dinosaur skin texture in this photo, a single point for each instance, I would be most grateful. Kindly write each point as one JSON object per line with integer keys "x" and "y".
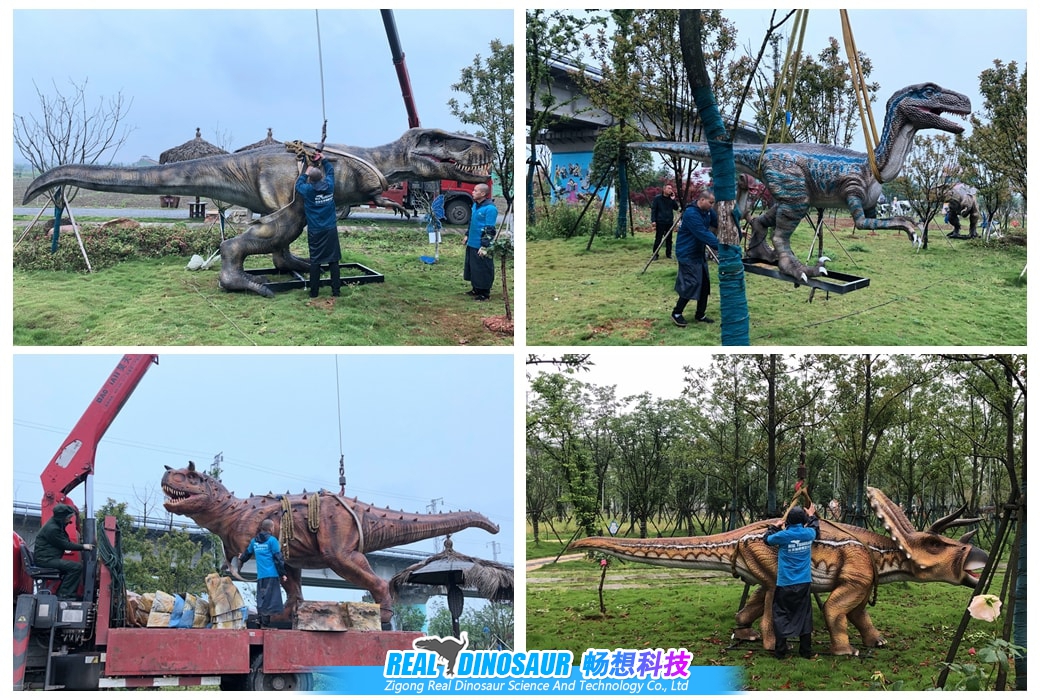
{"x": 847, "y": 561}
{"x": 339, "y": 543}
{"x": 263, "y": 181}
{"x": 804, "y": 176}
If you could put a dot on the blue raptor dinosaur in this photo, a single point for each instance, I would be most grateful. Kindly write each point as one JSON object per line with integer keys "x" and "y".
{"x": 804, "y": 176}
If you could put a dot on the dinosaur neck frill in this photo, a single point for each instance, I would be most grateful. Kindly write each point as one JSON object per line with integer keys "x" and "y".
{"x": 387, "y": 528}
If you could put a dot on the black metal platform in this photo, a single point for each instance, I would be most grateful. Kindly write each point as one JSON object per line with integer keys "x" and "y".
{"x": 297, "y": 281}
{"x": 836, "y": 282}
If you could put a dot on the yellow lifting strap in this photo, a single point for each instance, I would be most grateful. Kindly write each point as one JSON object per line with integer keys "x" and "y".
{"x": 789, "y": 77}
{"x": 870, "y": 135}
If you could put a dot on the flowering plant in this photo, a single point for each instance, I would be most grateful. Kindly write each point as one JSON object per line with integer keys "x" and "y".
{"x": 991, "y": 657}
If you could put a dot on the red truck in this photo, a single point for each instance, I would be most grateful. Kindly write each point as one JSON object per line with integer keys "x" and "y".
{"x": 86, "y": 644}
{"x": 458, "y": 196}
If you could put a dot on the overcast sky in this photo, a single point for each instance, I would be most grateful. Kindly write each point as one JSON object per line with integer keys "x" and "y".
{"x": 415, "y": 429}
{"x": 235, "y": 73}
{"x": 658, "y": 371}
{"x": 946, "y": 46}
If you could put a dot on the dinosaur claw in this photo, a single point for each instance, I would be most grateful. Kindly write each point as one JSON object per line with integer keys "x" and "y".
{"x": 823, "y": 270}
{"x": 805, "y": 277}
{"x": 822, "y": 259}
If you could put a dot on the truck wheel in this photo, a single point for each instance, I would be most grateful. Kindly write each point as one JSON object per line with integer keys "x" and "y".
{"x": 258, "y": 680}
{"x": 457, "y": 211}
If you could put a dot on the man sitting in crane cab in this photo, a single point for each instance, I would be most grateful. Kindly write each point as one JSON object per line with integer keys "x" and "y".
{"x": 51, "y": 545}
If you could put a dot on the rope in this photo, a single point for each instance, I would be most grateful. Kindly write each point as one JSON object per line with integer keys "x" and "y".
{"x": 314, "y": 512}
{"x": 287, "y": 525}
{"x": 870, "y": 135}
{"x": 321, "y": 73}
{"x": 226, "y": 317}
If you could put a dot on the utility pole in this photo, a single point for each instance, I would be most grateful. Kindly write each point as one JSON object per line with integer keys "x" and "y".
{"x": 432, "y": 508}
{"x": 495, "y": 549}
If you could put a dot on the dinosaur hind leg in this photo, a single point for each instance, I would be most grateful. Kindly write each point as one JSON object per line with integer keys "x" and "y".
{"x": 270, "y": 233}
{"x": 354, "y": 567}
{"x": 757, "y": 246}
{"x": 787, "y": 218}
{"x": 293, "y": 588}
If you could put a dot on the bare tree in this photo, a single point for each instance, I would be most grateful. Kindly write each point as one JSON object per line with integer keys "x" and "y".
{"x": 72, "y": 128}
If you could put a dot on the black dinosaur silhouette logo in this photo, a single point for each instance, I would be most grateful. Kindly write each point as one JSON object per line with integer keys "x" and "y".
{"x": 447, "y": 648}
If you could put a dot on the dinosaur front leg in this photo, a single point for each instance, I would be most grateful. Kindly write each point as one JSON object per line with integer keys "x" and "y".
{"x": 293, "y": 588}
{"x": 269, "y": 234}
{"x": 380, "y": 201}
{"x": 843, "y": 600}
{"x": 749, "y": 614}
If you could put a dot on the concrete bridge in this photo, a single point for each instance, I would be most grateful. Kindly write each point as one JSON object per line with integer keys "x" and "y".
{"x": 576, "y": 124}
{"x": 386, "y": 563}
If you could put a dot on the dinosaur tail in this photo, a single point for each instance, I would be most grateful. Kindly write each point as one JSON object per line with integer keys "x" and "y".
{"x": 687, "y": 150}
{"x": 711, "y": 552}
{"x": 184, "y": 178}
{"x": 387, "y": 528}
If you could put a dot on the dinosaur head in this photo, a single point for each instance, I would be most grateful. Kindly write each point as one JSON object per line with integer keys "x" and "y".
{"x": 922, "y": 107}
{"x": 932, "y": 556}
{"x": 189, "y": 492}
{"x": 434, "y": 154}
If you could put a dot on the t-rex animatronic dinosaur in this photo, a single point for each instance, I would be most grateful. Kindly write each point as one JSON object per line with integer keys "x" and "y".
{"x": 804, "y": 176}
{"x": 263, "y": 181}
{"x": 961, "y": 202}
{"x": 316, "y": 530}
{"x": 847, "y": 561}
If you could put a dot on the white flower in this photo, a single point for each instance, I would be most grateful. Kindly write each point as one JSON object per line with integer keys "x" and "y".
{"x": 985, "y": 607}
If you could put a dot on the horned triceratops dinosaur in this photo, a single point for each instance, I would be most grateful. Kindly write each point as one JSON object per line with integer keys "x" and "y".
{"x": 804, "y": 176}
{"x": 263, "y": 180}
{"x": 317, "y": 531}
{"x": 847, "y": 561}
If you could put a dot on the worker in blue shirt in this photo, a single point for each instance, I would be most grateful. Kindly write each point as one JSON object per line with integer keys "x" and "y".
{"x": 479, "y": 268}
{"x": 792, "y": 600}
{"x": 270, "y": 571}
{"x": 318, "y": 188}
{"x": 695, "y": 233}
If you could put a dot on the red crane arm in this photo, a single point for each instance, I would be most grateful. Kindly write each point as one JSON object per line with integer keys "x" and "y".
{"x": 402, "y": 69}
{"x": 73, "y": 463}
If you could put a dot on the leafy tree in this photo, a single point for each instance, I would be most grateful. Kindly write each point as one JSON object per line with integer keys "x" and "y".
{"x": 930, "y": 171}
{"x": 611, "y": 146}
{"x": 71, "y": 127}
{"x": 173, "y": 562}
{"x": 409, "y": 618}
{"x": 550, "y": 35}
{"x": 487, "y": 627}
{"x": 998, "y": 136}
{"x": 488, "y": 84}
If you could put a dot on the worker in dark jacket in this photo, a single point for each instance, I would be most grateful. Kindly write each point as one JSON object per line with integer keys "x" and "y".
{"x": 318, "y": 187}
{"x": 51, "y": 545}
{"x": 662, "y": 217}
{"x": 270, "y": 571}
{"x": 696, "y": 232}
{"x": 792, "y": 600}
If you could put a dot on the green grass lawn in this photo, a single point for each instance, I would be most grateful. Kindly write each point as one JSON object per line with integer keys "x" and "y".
{"x": 649, "y": 607}
{"x": 955, "y": 293}
{"x": 156, "y": 301}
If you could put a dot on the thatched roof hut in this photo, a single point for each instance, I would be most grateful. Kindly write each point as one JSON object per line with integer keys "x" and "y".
{"x": 269, "y": 141}
{"x": 198, "y": 147}
{"x": 456, "y": 573}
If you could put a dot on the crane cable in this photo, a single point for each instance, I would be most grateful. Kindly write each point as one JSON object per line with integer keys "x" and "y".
{"x": 339, "y": 422}
{"x": 321, "y": 73}
{"x": 870, "y": 135}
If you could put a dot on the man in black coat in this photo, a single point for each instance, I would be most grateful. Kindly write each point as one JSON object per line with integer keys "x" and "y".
{"x": 51, "y": 545}
{"x": 661, "y": 216}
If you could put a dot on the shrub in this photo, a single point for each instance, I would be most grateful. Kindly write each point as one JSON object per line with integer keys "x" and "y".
{"x": 560, "y": 220}
{"x": 107, "y": 247}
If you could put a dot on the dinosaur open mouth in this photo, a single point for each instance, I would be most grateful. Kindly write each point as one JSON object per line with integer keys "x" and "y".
{"x": 939, "y": 122}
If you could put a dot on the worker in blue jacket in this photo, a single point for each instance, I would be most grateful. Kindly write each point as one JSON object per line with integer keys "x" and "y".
{"x": 270, "y": 571}
{"x": 792, "y": 600}
{"x": 479, "y": 267}
{"x": 318, "y": 188}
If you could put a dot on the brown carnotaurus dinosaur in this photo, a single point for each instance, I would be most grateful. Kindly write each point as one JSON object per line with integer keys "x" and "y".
{"x": 847, "y": 561}
{"x": 323, "y": 530}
